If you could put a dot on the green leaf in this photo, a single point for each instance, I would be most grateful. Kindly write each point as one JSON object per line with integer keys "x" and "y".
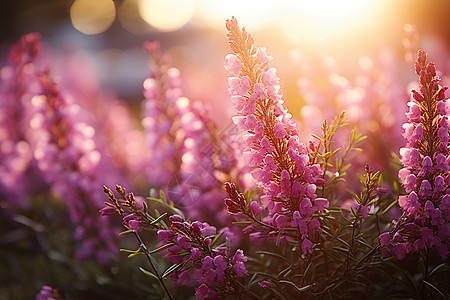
{"x": 158, "y": 219}
{"x": 300, "y": 290}
{"x": 144, "y": 206}
{"x": 307, "y": 270}
{"x": 217, "y": 238}
{"x": 171, "y": 269}
{"x": 172, "y": 209}
{"x": 129, "y": 251}
{"x": 242, "y": 223}
{"x": 364, "y": 243}
{"x": 435, "y": 289}
{"x": 274, "y": 255}
{"x": 161, "y": 248}
{"x": 341, "y": 249}
{"x": 442, "y": 267}
{"x": 343, "y": 242}
{"x": 284, "y": 273}
{"x": 126, "y": 232}
{"x": 162, "y": 196}
{"x": 317, "y": 137}
{"x": 148, "y": 273}
{"x": 389, "y": 207}
{"x": 134, "y": 254}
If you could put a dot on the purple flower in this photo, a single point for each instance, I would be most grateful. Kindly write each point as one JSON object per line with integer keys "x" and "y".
{"x": 414, "y": 112}
{"x": 135, "y": 225}
{"x": 426, "y": 234}
{"x": 107, "y": 211}
{"x": 425, "y": 189}
{"x": 442, "y": 163}
{"x": 364, "y": 211}
{"x": 307, "y": 246}
{"x": 280, "y": 221}
{"x": 385, "y": 239}
{"x": 46, "y": 293}
{"x": 306, "y": 207}
{"x": 321, "y": 203}
{"x": 266, "y": 284}
{"x": 400, "y": 250}
{"x": 427, "y": 166}
{"x": 314, "y": 225}
{"x": 239, "y": 269}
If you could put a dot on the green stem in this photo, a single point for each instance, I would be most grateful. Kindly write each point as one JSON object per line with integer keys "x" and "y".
{"x": 155, "y": 271}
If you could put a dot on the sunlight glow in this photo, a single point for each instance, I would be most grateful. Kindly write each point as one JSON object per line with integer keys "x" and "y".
{"x": 306, "y": 19}
{"x": 166, "y": 15}
{"x": 252, "y": 13}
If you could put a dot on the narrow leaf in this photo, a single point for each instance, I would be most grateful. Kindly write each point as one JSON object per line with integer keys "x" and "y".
{"x": 274, "y": 255}
{"x": 217, "y": 238}
{"x": 242, "y": 223}
{"x": 134, "y": 254}
{"x": 301, "y": 290}
{"x": 435, "y": 289}
{"x": 148, "y": 273}
{"x": 162, "y": 248}
{"x": 158, "y": 219}
{"x": 126, "y": 232}
{"x": 171, "y": 269}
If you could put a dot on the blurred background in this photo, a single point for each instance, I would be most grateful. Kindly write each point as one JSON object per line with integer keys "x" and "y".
{"x": 192, "y": 32}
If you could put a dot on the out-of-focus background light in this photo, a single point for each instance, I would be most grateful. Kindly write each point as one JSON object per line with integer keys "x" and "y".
{"x": 166, "y": 15}
{"x": 92, "y": 17}
{"x": 192, "y": 32}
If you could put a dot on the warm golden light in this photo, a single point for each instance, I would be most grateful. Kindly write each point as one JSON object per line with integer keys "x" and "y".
{"x": 306, "y": 19}
{"x": 92, "y": 17}
{"x": 252, "y": 13}
{"x": 166, "y": 15}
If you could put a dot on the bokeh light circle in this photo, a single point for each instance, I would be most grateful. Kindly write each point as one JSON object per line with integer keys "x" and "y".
{"x": 92, "y": 17}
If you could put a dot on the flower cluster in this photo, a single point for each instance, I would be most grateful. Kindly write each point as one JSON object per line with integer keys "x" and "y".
{"x": 213, "y": 269}
{"x": 190, "y": 246}
{"x": 51, "y": 148}
{"x": 17, "y": 85}
{"x": 67, "y": 156}
{"x": 48, "y": 293}
{"x": 425, "y": 171}
{"x": 186, "y": 157}
{"x": 282, "y": 164}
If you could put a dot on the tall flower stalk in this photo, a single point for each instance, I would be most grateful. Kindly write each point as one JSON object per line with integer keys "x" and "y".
{"x": 425, "y": 173}
{"x": 17, "y": 85}
{"x": 67, "y": 156}
{"x": 186, "y": 157}
{"x": 282, "y": 164}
